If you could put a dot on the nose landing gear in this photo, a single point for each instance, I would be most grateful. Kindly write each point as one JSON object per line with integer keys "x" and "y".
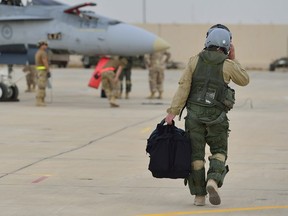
{"x": 8, "y": 93}
{"x": 8, "y": 90}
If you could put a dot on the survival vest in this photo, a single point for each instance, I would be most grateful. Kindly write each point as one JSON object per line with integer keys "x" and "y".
{"x": 208, "y": 87}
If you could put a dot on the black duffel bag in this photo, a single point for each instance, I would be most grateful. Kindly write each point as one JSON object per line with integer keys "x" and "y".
{"x": 170, "y": 152}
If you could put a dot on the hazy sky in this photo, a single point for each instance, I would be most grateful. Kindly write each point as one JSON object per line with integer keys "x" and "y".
{"x": 192, "y": 11}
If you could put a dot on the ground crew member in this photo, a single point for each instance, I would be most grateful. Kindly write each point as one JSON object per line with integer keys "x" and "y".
{"x": 43, "y": 73}
{"x": 126, "y": 74}
{"x": 203, "y": 89}
{"x": 110, "y": 76}
{"x": 156, "y": 63}
{"x": 30, "y": 77}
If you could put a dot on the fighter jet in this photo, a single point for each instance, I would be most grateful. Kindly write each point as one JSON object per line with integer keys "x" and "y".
{"x": 66, "y": 28}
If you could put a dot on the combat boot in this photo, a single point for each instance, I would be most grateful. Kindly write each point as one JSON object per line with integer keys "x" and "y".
{"x": 118, "y": 95}
{"x": 199, "y": 200}
{"x": 40, "y": 103}
{"x": 160, "y": 95}
{"x": 212, "y": 189}
{"x": 113, "y": 102}
{"x": 152, "y": 95}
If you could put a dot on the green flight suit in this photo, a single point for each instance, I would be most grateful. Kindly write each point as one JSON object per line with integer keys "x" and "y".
{"x": 203, "y": 89}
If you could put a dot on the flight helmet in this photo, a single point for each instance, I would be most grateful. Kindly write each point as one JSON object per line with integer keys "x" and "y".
{"x": 218, "y": 38}
{"x": 218, "y": 26}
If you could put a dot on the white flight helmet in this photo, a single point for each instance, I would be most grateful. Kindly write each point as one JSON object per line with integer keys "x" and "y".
{"x": 219, "y": 26}
{"x": 218, "y": 38}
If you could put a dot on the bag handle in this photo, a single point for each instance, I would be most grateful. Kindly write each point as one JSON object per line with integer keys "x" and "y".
{"x": 163, "y": 122}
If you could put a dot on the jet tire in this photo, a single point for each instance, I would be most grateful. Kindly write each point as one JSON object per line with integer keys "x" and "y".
{"x": 13, "y": 93}
{"x": 3, "y": 92}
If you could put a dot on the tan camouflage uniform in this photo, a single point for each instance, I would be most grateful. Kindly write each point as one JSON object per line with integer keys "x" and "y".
{"x": 156, "y": 63}
{"x": 30, "y": 77}
{"x": 42, "y": 73}
{"x": 110, "y": 79}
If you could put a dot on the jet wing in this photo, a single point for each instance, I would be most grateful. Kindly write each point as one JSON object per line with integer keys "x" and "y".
{"x": 24, "y": 17}
{"x": 75, "y": 9}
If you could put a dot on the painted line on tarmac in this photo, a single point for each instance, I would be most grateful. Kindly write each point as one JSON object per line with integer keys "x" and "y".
{"x": 146, "y": 130}
{"x": 42, "y": 178}
{"x": 121, "y": 129}
{"x": 218, "y": 211}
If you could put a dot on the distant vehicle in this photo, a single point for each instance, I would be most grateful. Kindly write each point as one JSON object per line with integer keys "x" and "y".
{"x": 60, "y": 58}
{"x": 279, "y": 63}
{"x": 174, "y": 65}
{"x": 89, "y": 61}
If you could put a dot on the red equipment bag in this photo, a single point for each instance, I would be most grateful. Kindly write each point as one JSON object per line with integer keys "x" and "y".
{"x": 95, "y": 79}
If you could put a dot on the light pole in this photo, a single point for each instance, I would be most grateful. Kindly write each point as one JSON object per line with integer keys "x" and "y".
{"x": 144, "y": 11}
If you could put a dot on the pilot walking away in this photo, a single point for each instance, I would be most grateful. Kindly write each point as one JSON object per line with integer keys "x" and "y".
{"x": 43, "y": 73}
{"x": 203, "y": 89}
{"x": 110, "y": 77}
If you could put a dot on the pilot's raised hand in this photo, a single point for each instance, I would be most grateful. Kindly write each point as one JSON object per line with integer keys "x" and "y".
{"x": 231, "y": 52}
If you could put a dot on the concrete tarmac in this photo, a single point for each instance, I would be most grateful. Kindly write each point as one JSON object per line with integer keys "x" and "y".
{"x": 79, "y": 157}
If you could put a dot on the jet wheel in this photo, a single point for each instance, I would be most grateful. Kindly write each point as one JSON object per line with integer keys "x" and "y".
{"x": 13, "y": 93}
{"x": 8, "y": 93}
{"x": 3, "y": 92}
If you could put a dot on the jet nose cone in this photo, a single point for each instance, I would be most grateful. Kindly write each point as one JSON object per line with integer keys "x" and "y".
{"x": 160, "y": 44}
{"x": 125, "y": 39}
